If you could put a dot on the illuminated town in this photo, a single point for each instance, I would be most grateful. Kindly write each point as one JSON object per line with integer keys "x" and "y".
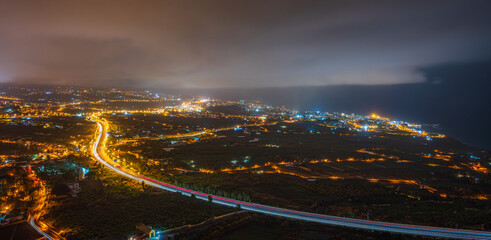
{"x": 245, "y": 120}
{"x": 55, "y": 168}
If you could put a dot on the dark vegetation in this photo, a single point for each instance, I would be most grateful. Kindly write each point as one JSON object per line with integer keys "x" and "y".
{"x": 296, "y": 145}
{"x": 110, "y": 205}
{"x": 59, "y": 130}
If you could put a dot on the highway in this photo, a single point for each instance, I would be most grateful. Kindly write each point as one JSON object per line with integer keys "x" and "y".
{"x": 98, "y": 151}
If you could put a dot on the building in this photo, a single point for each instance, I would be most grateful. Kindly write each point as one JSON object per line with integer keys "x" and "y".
{"x": 74, "y": 188}
{"x": 146, "y": 229}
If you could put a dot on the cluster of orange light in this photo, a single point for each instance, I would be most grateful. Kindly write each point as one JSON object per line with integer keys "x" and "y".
{"x": 441, "y": 155}
{"x": 206, "y": 171}
{"x": 455, "y": 167}
{"x": 10, "y": 98}
{"x": 403, "y": 181}
{"x": 376, "y": 154}
{"x": 405, "y": 161}
{"x": 320, "y": 161}
{"x": 478, "y": 196}
{"x": 479, "y": 168}
{"x": 433, "y": 165}
{"x": 278, "y": 170}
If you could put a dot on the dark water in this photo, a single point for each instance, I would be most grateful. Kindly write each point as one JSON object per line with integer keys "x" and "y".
{"x": 456, "y": 96}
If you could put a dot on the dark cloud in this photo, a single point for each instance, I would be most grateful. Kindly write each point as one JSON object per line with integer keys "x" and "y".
{"x": 236, "y": 43}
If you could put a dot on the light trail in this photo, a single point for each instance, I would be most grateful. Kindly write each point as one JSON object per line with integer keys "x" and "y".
{"x": 99, "y": 144}
{"x": 52, "y": 235}
{"x": 33, "y": 224}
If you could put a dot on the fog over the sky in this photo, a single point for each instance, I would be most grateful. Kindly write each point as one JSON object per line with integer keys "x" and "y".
{"x": 216, "y": 44}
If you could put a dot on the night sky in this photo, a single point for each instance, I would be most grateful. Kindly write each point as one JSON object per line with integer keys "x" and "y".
{"x": 210, "y": 44}
{"x": 427, "y": 61}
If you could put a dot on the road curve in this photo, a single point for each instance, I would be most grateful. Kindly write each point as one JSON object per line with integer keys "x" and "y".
{"x": 99, "y": 145}
{"x": 33, "y": 224}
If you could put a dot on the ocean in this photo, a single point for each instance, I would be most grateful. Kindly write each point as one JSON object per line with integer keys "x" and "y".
{"x": 456, "y": 97}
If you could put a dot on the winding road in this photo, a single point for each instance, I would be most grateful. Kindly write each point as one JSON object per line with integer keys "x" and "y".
{"x": 98, "y": 151}
{"x": 40, "y": 227}
{"x": 40, "y": 231}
